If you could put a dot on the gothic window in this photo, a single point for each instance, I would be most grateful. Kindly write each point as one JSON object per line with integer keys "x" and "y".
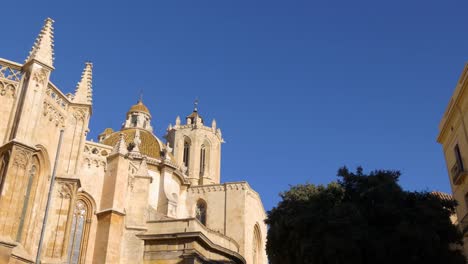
{"x": 202, "y": 160}
{"x": 79, "y": 231}
{"x": 256, "y": 246}
{"x": 200, "y": 211}
{"x": 186, "y": 154}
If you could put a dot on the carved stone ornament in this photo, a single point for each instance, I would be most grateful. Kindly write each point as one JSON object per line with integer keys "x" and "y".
{"x": 20, "y": 159}
{"x": 79, "y": 115}
{"x": 7, "y": 89}
{"x": 64, "y": 190}
{"x": 53, "y": 114}
{"x": 39, "y": 77}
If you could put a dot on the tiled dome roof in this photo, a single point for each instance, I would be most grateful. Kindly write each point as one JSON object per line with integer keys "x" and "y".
{"x": 149, "y": 146}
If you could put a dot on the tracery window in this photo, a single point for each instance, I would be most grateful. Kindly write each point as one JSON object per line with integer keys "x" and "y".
{"x": 202, "y": 160}
{"x": 200, "y": 212}
{"x": 79, "y": 232}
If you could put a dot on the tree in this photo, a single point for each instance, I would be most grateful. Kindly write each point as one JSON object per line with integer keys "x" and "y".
{"x": 362, "y": 219}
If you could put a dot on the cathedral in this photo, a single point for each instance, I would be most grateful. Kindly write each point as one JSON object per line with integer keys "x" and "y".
{"x": 126, "y": 197}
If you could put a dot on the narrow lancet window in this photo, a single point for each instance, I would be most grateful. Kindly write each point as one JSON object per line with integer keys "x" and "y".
{"x": 186, "y": 154}
{"x": 202, "y": 160}
{"x": 200, "y": 212}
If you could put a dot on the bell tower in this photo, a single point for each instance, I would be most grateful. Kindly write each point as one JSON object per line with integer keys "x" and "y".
{"x": 197, "y": 147}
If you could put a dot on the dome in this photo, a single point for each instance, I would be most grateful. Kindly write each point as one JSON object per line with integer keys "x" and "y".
{"x": 139, "y": 107}
{"x": 149, "y": 146}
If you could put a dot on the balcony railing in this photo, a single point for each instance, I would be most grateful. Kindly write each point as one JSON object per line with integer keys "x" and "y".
{"x": 458, "y": 174}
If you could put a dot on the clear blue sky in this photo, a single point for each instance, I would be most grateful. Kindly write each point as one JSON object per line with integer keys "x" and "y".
{"x": 299, "y": 88}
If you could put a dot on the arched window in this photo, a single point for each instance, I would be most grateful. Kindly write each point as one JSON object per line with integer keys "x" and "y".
{"x": 186, "y": 157}
{"x": 200, "y": 211}
{"x": 256, "y": 246}
{"x": 202, "y": 160}
{"x": 134, "y": 120}
{"x": 79, "y": 230}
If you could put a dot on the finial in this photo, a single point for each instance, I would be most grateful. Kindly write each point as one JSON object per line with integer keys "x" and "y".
{"x": 213, "y": 124}
{"x": 43, "y": 48}
{"x": 84, "y": 88}
{"x": 140, "y": 100}
{"x": 195, "y": 107}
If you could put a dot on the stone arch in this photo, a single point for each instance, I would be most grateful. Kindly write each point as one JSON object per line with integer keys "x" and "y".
{"x": 257, "y": 245}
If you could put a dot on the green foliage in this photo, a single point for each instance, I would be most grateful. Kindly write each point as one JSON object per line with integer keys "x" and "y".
{"x": 362, "y": 219}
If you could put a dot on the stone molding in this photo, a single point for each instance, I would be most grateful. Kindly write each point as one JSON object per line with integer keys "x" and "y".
{"x": 110, "y": 210}
{"x": 242, "y": 185}
{"x": 220, "y": 187}
{"x": 216, "y": 131}
{"x": 192, "y": 228}
{"x": 199, "y": 236}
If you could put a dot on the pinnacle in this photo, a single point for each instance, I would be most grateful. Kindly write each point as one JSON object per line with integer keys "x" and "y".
{"x": 43, "y": 48}
{"x": 84, "y": 88}
{"x": 121, "y": 146}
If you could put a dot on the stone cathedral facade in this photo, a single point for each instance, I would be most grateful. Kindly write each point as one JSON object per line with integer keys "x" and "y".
{"x": 128, "y": 197}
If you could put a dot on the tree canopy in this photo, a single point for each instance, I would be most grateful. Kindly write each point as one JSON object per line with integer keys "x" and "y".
{"x": 362, "y": 218}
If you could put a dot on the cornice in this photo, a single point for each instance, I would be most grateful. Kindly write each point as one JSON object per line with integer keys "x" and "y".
{"x": 453, "y": 104}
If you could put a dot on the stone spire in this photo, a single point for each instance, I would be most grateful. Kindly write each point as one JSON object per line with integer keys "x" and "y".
{"x": 84, "y": 88}
{"x": 43, "y": 48}
{"x": 121, "y": 146}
